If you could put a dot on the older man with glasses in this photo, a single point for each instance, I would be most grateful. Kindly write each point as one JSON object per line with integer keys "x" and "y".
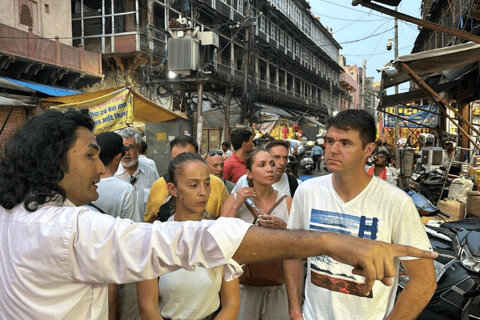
{"x": 214, "y": 160}
{"x": 139, "y": 174}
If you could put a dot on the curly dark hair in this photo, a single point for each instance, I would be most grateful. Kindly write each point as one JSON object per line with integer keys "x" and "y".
{"x": 36, "y": 158}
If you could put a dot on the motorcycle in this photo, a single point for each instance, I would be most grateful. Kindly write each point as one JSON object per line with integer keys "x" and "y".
{"x": 458, "y": 271}
{"x": 430, "y": 184}
{"x": 457, "y": 266}
{"x": 306, "y": 163}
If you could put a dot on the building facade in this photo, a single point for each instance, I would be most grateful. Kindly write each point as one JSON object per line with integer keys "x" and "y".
{"x": 37, "y": 58}
{"x": 274, "y": 52}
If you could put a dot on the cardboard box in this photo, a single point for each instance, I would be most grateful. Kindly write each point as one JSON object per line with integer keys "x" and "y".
{"x": 455, "y": 209}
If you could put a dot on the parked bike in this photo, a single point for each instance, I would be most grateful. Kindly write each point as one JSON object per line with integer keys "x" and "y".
{"x": 457, "y": 267}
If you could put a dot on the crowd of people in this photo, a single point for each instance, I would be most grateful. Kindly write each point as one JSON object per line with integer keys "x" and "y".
{"x": 86, "y": 218}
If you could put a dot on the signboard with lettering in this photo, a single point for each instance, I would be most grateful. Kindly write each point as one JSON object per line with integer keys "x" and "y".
{"x": 110, "y": 112}
{"x": 428, "y": 116}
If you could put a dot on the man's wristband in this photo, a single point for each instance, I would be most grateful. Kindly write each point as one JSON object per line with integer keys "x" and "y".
{"x": 295, "y": 315}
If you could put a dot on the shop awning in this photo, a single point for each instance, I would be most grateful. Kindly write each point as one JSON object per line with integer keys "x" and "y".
{"x": 404, "y": 98}
{"x": 12, "y": 100}
{"x": 431, "y": 61}
{"x": 321, "y": 125}
{"x": 451, "y": 62}
{"x": 30, "y": 86}
{"x": 274, "y": 111}
{"x": 115, "y": 108}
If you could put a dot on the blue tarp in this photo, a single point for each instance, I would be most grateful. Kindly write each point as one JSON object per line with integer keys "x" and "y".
{"x": 44, "y": 88}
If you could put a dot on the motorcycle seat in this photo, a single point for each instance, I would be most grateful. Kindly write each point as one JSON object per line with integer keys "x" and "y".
{"x": 471, "y": 224}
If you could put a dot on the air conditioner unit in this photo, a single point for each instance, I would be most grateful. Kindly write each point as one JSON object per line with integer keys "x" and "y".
{"x": 208, "y": 38}
{"x": 432, "y": 156}
{"x": 183, "y": 55}
{"x": 426, "y": 137}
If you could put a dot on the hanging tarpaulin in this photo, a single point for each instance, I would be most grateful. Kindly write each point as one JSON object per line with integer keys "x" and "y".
{"x": 418, "y": 116}
{"x": 111, "y": 111}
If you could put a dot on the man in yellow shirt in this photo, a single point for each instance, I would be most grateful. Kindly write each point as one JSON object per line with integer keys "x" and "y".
{"x": 159, "y": 199}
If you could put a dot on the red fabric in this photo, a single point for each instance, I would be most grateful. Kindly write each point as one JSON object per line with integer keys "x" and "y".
{"x": 234, "y": 168}
{"x": 383, "y": 174}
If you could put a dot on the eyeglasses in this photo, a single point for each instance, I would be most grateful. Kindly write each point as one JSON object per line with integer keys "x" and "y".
{"x": 133, "y": 179}
{"x": 212, "y": 153}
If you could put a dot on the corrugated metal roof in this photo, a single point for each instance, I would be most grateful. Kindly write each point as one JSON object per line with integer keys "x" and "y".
{"x": 7, "y": 84}
{"x": 43, "y": 88}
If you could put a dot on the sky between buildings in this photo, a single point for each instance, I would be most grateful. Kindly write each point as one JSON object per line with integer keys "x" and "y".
{"x": 363, "y": 33}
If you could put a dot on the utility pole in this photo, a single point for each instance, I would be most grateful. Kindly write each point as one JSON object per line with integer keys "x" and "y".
{"x": 199, "y": 116}
{"x": 246, "y": 66}
{"x": 364, "y": 67}
{"x": 397, "y": 128}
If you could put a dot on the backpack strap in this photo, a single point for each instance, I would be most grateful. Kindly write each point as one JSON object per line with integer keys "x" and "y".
{"x": 293, "y": 184}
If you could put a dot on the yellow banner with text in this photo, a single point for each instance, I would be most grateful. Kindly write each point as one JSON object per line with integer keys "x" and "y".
{"x": 110, "y": 112}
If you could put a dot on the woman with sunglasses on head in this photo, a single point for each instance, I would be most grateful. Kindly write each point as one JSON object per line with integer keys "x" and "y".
{"x": 262, "y": 289}
{"x": 189, "y": 295}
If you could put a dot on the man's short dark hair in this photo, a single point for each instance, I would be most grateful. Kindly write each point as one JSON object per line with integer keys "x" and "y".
{"x": 36, "y": 160}
{"x": 184, "y": 141}
{"x": 276, "y": 143}
{"x": 357, "y": 120}
{"x": 226, "y": 144}
{"x": 239, "y": 136}
{"x": 144, "y": 147}
{"x": 387, "y": 155}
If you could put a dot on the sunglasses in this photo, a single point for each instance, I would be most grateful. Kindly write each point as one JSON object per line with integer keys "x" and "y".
{"x": 212, "y": 153}
{"x": 133, "y": 179}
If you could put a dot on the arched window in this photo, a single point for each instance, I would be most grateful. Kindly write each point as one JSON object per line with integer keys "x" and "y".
{"x": 26, "y": 15}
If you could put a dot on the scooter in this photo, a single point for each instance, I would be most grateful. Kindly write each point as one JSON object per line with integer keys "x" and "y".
{"x": 457, "y": 267}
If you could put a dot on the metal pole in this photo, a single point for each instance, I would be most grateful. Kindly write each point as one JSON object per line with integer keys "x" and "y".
{"x": 246, "y": 65}
{"x": 397, "y": 127}
{"x": 364, "y": 86}
{"x": 228, "y": 97}
{"x": 199, "y": 116}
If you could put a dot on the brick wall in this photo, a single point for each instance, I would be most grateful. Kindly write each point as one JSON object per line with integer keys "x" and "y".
{"x": 16, "y": 119}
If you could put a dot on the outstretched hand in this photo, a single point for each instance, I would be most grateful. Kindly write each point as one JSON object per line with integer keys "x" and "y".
{"x": 371, "y": 259}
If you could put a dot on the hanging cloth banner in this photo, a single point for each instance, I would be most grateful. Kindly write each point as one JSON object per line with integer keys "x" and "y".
{"x": 428, "y": 116}
{"x": 112, "y": 111}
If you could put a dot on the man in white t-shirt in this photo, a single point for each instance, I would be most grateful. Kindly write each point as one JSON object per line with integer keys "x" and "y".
{"x": 349, "y": 201}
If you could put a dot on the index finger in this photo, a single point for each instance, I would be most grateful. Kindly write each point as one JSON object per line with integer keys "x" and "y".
{"x": 408, "y": 251}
